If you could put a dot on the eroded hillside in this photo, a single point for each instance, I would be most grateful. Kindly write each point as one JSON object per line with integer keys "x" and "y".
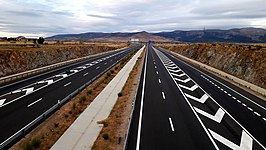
{"x": 245, "y": 62}
{"x": 18, "y": 59}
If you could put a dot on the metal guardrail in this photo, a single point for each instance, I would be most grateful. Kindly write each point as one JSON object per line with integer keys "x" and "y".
{"x": 46, "y": 68}
{"x": 42, "y": 117}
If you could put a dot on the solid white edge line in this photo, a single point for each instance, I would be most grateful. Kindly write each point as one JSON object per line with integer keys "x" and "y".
{"x": 203, "y": 126}
{"x": 219, "y": 104}
{"x": 34, "y": 102}
{"x": 85, "y": 74}
{"x": 171, "y": 124}
{"x": 141, "y": 103}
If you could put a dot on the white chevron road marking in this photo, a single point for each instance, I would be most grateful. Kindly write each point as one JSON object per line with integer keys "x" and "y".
{"x": 194, "y": 87}
{"x": 178, "y": 75}
{"x": 28, "y": 90}
{"x": 46, "y": 81}
{"x": 61, "y": 75}
{"x": 217, "y": 117}
{"x": 184, "y": 81}
{"x": 201, "y": 100}
{"x": 245, "y": 144}
{"x": 2, "y": 101}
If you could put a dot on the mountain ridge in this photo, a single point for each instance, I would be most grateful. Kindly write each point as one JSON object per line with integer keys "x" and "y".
{"x": 243, "y": 35}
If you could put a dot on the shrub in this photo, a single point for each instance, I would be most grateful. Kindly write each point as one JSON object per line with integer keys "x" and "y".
{"x": 74, "y": 106}
{"x": 119, "y": 94}
{"x": 106, "y": 136}
{"x": 89, "y": 91}
{"x": 35, "y": 143}
{"x": 82, "y": 99}
{"x": 116, "y": 68}
{"x": 108, "y": 74}
{"x": 112, "y": 71}
{"x": 56, "y": 125}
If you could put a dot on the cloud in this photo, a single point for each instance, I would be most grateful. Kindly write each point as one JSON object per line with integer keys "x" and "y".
{"x": 49, "y": 17}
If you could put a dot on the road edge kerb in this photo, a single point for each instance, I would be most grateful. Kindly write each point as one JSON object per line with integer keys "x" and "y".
{"x": 244, "y": 83}
{"x": 85, "y": 130}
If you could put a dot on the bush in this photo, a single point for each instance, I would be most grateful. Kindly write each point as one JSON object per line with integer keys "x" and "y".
{"x": 106, "y": 136}
{"x": 74, "y": 106}
{"x": 82, "y": 99}
{"x": 89, "y": 91}
{"x": 116, "y": 68}
{"x": 112, "y": 71}
{"x": 108, "y": 74}
{"x": 119, "y": 94}
{"x": 35, "y": 143}
{"x": 56, "y": 125}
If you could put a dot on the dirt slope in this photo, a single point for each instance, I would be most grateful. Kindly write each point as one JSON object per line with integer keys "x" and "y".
{"x": 18, "y": 59}
{"x": 241, "y": 61}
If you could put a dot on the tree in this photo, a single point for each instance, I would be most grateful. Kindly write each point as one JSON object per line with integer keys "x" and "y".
{"x": 40, "y": 40}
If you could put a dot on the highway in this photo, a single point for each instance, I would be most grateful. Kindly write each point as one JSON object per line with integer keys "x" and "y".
{"x": 179, "y": 106}
{"x": 23, "y": 101}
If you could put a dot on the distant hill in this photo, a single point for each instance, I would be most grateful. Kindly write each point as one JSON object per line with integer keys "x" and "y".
{"x": 242, "y": 35}
{"x": 99, "y": 36}
{"x": 245, "y": 35}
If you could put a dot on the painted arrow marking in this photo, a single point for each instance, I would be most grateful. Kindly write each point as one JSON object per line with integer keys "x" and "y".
{"x": 28, "y": 90}
{"x": 82, "y": 67}
{"x": 2, "y": 101}
{"x": 61, "y": 75}
{"x": 74, "y": 71}
{"x": 245, "y": 144}
{"x": 46, "y": 81}
{"x": 201, "y": 100}
{"x": 217, "y": 117}
{"x": 194, "y": 87}
{"x": 178, "y": 75}
{"x": 184, "y": 81}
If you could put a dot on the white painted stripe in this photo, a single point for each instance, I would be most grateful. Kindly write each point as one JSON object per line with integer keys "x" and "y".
{"x": 238, "y": 101}
{"x": 171, "y": 124}
{"x": 229, "y": 94}
{"x": 234, "y": 97}
{"x": 85, "y": 74}
{"x": 155, "y": 67}
{"x": 178, "y": 75}
{"x": 244, "y": 105}
{"x": 2, "y": 101}
{"x": 184, "y": 81}
{"x": 250, "y": 109}
{"x": 201, "y": 100}
{"x": 245, "y": 144}
{"x": 34, "y": 102}
{"x": 159, "y": 81}
{"x": 97, "y": 67}
{"x": 171, "y": 70}
{"x": 67, "y": 84}
{"x": 157, "y": 72}
{"x": 257, "y": 113}
{"x": 141, "y": 104}
{"x": 194, "y": 87}
{"x": 225, "y": 92}
{"x": 163, "y": 95}
{"x": 217, "y": 117}
{"x": 264, "y": 119}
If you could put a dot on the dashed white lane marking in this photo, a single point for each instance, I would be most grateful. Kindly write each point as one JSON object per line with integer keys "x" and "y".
{"x": 105, "y": 63}
{"x": 163, "y": 95}
{"x": 250, "y": 109}
{"x": 97, "y": 67}
{"x": 67, "y": 84}
{"x": 264, "y": 119}
{"x": 222, "y": 89}
{"x": 85, "y": 74}
{"x": 34, "y": 102}
{"x": 225, "y": 92}
{"x": 157, "y": 72}
{"x": 257, "y": 114}
{"x": 238, "y": 101}
{"x": 171, "y": 124}
{"x": 244, "y": 104}
{"x": 155, "y": 67}
{"x": 229, "y": 94}
{"x": 233, "y": 97}
{"x": 159, "y": 81}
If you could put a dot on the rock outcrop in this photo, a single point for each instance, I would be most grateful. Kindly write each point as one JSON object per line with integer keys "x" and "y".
{"x": 244, "y": 62}
{"x": 18, "y": 59}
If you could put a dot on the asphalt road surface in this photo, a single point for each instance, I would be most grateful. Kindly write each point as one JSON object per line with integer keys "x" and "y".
{"x": 179, "y": 106}
{"x": 22, "y": 102}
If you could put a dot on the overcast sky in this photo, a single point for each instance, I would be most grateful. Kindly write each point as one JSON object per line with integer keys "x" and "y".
{"x": 33, "y": 18}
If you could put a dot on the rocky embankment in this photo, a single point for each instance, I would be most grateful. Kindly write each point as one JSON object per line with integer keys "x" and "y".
{"x": 244, "y": 62}
{"x": 18, "y": 59}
